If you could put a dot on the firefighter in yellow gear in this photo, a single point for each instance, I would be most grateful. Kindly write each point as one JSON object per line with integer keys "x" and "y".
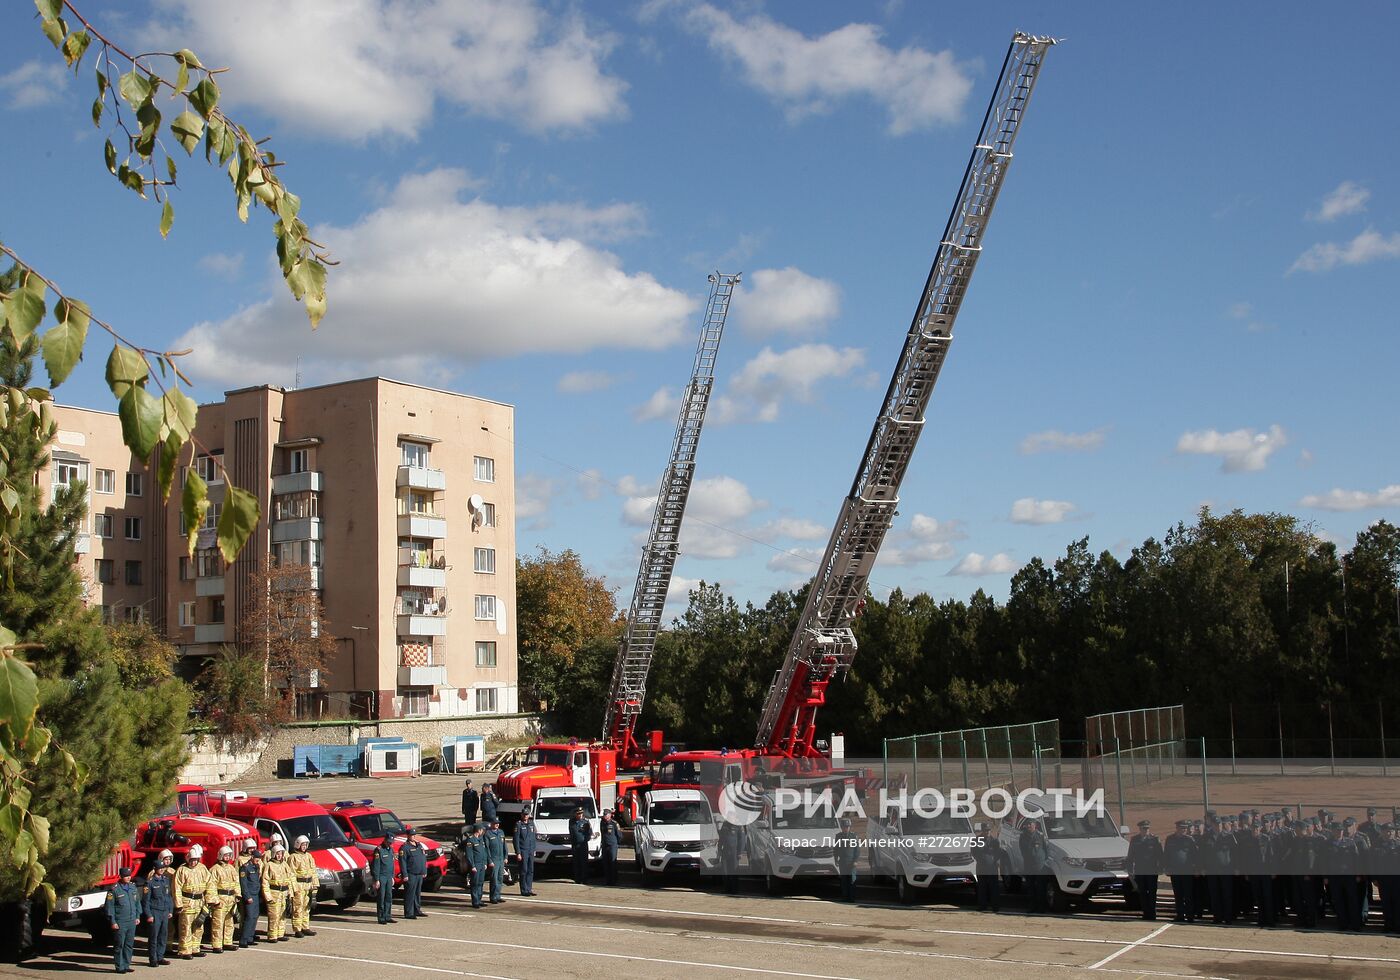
{"x": 222, "y": 899}
{"x": 276, "y": 882}
{"x": 191, "y": 885}
{"x": 303, "y": 867}
{"x": 249, "y": 846}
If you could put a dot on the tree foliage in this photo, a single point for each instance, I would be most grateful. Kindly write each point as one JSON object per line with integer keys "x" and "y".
{"x": 236, "y": 700}
{"x": 285, "y": 625}
{"x": 560, "y": 609}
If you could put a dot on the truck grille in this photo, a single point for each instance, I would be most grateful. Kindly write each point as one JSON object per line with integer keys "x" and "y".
{"x": 814, "y": 852}
{"x": 1106, "y": 864}
{"x": 951, "y": 860}
{"x": 684, "y": 846}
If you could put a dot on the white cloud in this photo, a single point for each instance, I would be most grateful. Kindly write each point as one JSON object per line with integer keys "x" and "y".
{"x": 807, "y": 75}
{"x": 429, "y": 282}
{"x": 1338, "y": 499}
{"x": 785, "y": 301}
{"x": 716, "y": 505}
{"x": 533, "y": 495}
{"x": 765, "y": 382}
{"x": 1028, "y": 510}
{"x": 33, "y": 84}
{"x": 358, "y": 69}
{"x": 591, "y": 484}
{"x": 1240, "y": 451}
{"x": 797, "y": 528}
{"x": 798, "y": 561}
{"x": 925, "y": 539}
{"x": 222, "y": 264}
{"x": 584, "y": 382}
{"x": 663, "y": 404}
{"x": 974, "y": 564}
{"x": 1053, "y": 440}
{"x": 1347, "y": 198}
{"x": 1369, "y": 246}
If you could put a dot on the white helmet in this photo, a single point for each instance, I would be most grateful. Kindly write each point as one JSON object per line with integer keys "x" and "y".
{"x": 278, "y": 849}
{"x": 303, "y": 839}
{"x": 165, "y": 854}
{"x": 276, "y": 837}
{"x": 250, "y": 845}
{"x": 225, "y": 851}
{"x": 196, "y": 852}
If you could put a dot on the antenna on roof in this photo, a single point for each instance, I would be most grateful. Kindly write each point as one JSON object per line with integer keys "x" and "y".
{"x": 297, "y": 384}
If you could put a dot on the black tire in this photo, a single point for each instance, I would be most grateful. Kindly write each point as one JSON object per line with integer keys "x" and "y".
{"x": 1055, "y": 900}
{"x": 903, "y": 890}
{"x": 432, "y": 886}
{"x": 345, "y": 904}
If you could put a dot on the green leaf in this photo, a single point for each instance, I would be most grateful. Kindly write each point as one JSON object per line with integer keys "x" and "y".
{"x": 131, "y": 179}
{"x": 237, "y": 521}
{"x": 9, "y": 497}
{"x": 188, "y": 128}
{"x": 205, "y": 97}
{"x": 10, "y": 816}
{"x": 109, "y": 154}
{"x": 63, "y": 344}
{"x": 49, "y": 9}
{"x": 180, "y": 413}
{"x": 170, "y": 167}
{"x": 22, "y": 845}
{"x": 315, "y": 309}
{"x": 193, "y": 504}
{"x": 101, "y": 82}
{"x": 55, "y": 30}
{"x": 307, "y": 278}
{"x": 167, "y": 217}
{"x": 141, "y": 419}
{"x": 125, "y": 367}
{"x": 97, "y": 106}
{"x": 186, "y": 57}
{"x": 288, "y": 206}
{"x": 135, "y": 88}
{"x": 149, "y": 118}
{"x": 19, "y": 694}
{"x": 24, "y": 308}
{"x": 75, "y": 46}
{"x": 182, "y": 77}
{"x": 169, "y": 457}
{"x": 39, "y": 827}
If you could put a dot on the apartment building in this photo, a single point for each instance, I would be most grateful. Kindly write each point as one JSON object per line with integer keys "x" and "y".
{"x": 399, "y": 499}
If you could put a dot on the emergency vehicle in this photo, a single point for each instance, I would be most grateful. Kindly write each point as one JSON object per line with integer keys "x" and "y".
{"x": 367, "y": 825}
{"x": 342, "y": 868}
{"x": 185, "y": 821}
{"x": 87, "y": 909}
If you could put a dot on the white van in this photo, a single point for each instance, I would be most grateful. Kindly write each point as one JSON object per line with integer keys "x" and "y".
{"x": 674, "y": 831}
{"x": 790, "y": 844}
{"x": 1088, "y": 854}
{"x": 554, "y": 807}
{"x": 921, "y": 853}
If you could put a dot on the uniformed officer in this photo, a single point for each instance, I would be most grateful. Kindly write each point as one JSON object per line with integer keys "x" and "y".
{"x": 1179, "y": 862}
{"x": 847, "y": 852}
{"x": 222, "y": 899}
{"x": 1035, "y": 855}
{"x": 1218, "y": 863}
{"x": 524, "y": 841}
{"x": 488, "y": 804}
{"x": 381, "y": 868}
{"x": 496, "y": 858}
{"x": 123, "y": 912}
{"x": 1257, "y": 860}
{"x": 474, "y": 855}
{"x": 413, "y": 862}
{"x": 304, "y": 885}
{"x": 250, "y": 891}
{"x": 191, "y": 883}
{"x": 730, "y": 843}
{"x": 992, "y": 859}
{"x": 1362, "y": 843}
{"x": 611, "y": 834}
{"x": 580, "y": 833}
{"x": 1144, "y": 866}
{"x": 471, "y": 802}
{"x": 158, "y": 905}
{"x": 1343, "y": 878}
{"x": 1386, "y": 866}
{"x": 276, "y": 883}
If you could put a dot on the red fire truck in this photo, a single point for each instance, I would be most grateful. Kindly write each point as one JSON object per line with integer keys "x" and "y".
{"x": 367, "y": 825}
{"x": 87, "y": 909}
{"x": 185, "y": 821}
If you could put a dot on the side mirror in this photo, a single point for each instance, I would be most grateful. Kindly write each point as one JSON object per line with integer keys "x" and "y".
{"x": 1123, "y": 829}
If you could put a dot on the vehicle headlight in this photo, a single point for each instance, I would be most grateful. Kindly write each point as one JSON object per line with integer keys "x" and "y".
{"x": 434, "y": 853}
{"x": 328, "y": 877}
{"x": 1072, "y": 861}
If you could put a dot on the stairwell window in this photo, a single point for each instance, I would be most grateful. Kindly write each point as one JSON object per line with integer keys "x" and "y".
{"x": 486, "y": 607}
{"x": 484, "y": 560}
{"x": 485, "y": 469}
{"x": 486, "y": 653}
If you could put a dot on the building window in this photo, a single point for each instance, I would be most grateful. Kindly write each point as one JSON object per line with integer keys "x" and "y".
{"x": 488, "y": 515}
{"x": 108, "y": 614}
{"x": 133, "y": 484}
{"x": 208, "y": 563}
{"x": 485, "y": 468}
{"x": 216, "y": 609}
{"x": 484, "y": 560}
{"x": 414, "y": 454}
{"x": 134, "y": 614}
{"x": 187, "y": 614}
{"x": 299, "y": 553}
{"x": 415, "y": 701}
{"x": 133, "y": 528}
{"x": 102, "y": 525}
{"x": 296, "y": 506}
{"x": 418, "y": 503}
{"x": 299, "y": 461}
{"x": 208, "y": 467}
{"x": 106, "y": 571}
{"x": 486, "y": 700}
{"x": 133, "y": 573}
{"x": 485, "y": 607}
{"x": 106, "y": 481}
{"x": 66, "y": 474}
{"x": 184, "y": 568}
{"x": 486, "y": 653}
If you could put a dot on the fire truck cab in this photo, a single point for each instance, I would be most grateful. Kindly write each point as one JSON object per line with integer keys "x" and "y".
{"x": 367, "y": 825}
{"x": 342, "y": 869}
{"x": 185, "y": 821}
{"x": 87, "y": 909}
{"x": 591, "y": 768}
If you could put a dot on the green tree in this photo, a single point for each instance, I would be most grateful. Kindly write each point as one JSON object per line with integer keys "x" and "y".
{"x": 141, "y": 655}
{"x": 559, "y": 607}
{"x": 236, "y": 700}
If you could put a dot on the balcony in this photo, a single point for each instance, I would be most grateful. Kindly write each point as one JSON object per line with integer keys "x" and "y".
{"x": 209, "y": 633}
{"x": 419, "y": 525}
{"x": 298, "y": 529}
{"x": 422, "y": 569}
{"x": 422, "y": 665}
{"x": 82, "y": 543}
{"x": 209, "y": 585}
{"x": 298, "y": 482}
{"x": 421, "y": 478}
{"x": 422, "y": 624}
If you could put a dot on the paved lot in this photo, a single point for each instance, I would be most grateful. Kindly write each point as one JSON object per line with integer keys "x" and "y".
{"x": 634, "y": 931}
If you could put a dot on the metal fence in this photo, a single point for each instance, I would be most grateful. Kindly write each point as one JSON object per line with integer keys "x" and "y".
{"x": 1011, "y": 756}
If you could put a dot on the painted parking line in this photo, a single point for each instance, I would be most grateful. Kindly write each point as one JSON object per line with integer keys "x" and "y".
{"x": 402, "y": 966}
{"x": 1277, "y": 952}
{"x": 1133, "y": 945}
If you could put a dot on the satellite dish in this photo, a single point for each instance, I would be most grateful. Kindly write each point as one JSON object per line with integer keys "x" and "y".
{"x": 475, "y": 503}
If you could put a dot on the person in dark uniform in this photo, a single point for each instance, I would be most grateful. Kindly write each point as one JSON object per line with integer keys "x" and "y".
{"x": 580, "y": 833}
{"x": 471, "y": 802}
{"x": 1217, "y": 860}
{"x": 524, "y": 840}
{"x": 381, "y": 869}
{"x": 1179, "y": 862}
{"x": 250, "y": 897}
{"x": 611, "y": 834}
{"x": 1035, "y": 855}
{"x": 495, "y": 839}
{"x": 992, "y": 860}
{"x": 123, "y": 908}
{"x": 847, "y": 853}
{"x": 488, "y": 804}
{"x": 413, "y": 862}
{"x": 1362, "y": 844}
{"x": 158, "y": 906}
{"x": 1257, "y": 860}
{"x": 1385, "y": 865}
{"x": 1144, "y": 866}
{"x": 730, "y": 843}
{"x": 474, "y": 855}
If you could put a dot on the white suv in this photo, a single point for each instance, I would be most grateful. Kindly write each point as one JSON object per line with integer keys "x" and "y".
{"x": 787, "y": 844}
{"x": 1088, "y": 854}
{"x": 922, "y": 852}
{"x": 554, "y": 808}
{"x": 675, "y": 830}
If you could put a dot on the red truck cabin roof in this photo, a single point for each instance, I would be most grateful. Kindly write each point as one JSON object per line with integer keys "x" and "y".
{"x": 293, "y": 816}
{"x": 372, "y": 823}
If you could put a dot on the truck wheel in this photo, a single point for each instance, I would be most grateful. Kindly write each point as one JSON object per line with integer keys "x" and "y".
{"x": 432, "y": 886}
{"x": 1056, "y": 900}
{"x": 772, "y": 884}
{"x": 903, "y": 890}
{"x": 101, "y": 934}
{"x": 345, "y": 904}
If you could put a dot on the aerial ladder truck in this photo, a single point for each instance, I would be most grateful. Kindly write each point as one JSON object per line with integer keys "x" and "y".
{"x": 601, "y": 766}
{"x": 824, "y": 645}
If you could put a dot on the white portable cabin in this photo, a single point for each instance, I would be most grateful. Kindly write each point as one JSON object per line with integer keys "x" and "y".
{"x": 463, "y": 753}
{"x": 385, "y": 758}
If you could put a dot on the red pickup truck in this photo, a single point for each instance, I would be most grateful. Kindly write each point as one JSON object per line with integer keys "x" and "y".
{"x": 366, "y": 825}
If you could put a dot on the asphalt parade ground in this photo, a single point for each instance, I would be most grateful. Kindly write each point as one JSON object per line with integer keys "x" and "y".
{"x": 689, "y": 927}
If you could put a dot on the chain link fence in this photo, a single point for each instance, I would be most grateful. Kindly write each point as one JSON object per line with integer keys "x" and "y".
{"x": 1007, "y": 756}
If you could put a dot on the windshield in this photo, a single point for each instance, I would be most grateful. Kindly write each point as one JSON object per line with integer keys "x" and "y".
{"x": 798, "y": 819}
{"x": 563, "y": 807}
{"x": 912, "y": 824}
{"x": 547, "y": 757}
{"x": 672, "y": 813}
{"x": 377, "y": 824}
{"x": 1069, "y": 826}
{"x": 688, "y": 773}
{"x": 196, "y": 803}
{"x": 320, "y": 829}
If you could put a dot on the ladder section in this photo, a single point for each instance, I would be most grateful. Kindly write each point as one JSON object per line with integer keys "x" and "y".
{"x": 634, "y": 654}
{"x": 824, "y": 644}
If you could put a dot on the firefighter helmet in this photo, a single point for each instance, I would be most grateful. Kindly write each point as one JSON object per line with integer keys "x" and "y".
{"x": 165, "y": 854}
{"x": 225, "y": 851}
{"x": 303, "y": 839}
{"x": 196, "y": 852}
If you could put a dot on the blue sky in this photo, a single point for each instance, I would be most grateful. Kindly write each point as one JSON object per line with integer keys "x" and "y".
{"x": 1186, "y": 294}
